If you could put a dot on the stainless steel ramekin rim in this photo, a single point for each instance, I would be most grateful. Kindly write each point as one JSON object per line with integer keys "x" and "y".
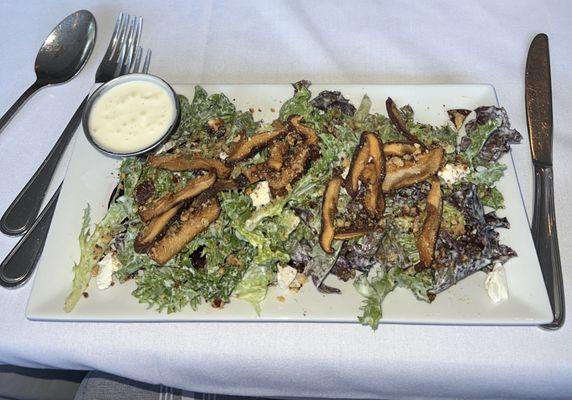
{"x": 117, "y": 81}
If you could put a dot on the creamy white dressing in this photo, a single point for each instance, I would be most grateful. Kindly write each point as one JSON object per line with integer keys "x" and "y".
{"x": 131, "y": 116}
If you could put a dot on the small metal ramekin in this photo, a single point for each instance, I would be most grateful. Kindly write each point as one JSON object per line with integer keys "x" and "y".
{"x": 118, "y": 81}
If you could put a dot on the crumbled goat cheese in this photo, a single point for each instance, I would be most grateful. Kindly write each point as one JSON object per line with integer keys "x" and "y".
{"x": 261, "y": 194}
{"x": 451, "y": 173}
{"x": 285, "y": 276}
{"x": 107, "y": 266}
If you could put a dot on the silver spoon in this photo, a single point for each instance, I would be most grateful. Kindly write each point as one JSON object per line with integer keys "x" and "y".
{"x": 63, "y": 54}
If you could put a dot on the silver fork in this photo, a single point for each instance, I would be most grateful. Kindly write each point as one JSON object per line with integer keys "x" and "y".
{"x": 118, "y": 60}
{"x": 19, "y": 264}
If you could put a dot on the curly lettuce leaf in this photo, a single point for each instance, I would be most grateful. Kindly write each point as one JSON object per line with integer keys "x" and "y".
{"x": 498, "y": 140}
{"x": 205, "y": 107}
{"x": 239, "y": 209}
{"x": 93, "y": 246}
{"x": 399, "y": 248}
{"x": 487, "y": 176}
{"x": 254, "y": 285}
{"x": 452, "y": 220}
{"x": 363, "y": 109}
{"x": 173, "y": 288}
{"x": 129, "y": 171}
{"x": 300, "y": 104}
{"x": 375, "y": 290}
{"x": 491, "y": 197}
{"x": 166, "y": 288}
{"x": 477, "y": 135}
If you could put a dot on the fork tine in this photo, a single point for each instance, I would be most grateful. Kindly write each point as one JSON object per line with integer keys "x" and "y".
{"x": 137, "y": 60}
{"x": 128, "y": 54}
{"x": 147, "y": 62}
{"x": 119, "y": 26}
{"x": 133, "y": 43}
{"x": 120, "y": 45}
{"x": 123, "y": 47}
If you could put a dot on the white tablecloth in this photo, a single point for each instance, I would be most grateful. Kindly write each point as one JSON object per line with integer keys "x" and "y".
{"x": 279, "y": 42}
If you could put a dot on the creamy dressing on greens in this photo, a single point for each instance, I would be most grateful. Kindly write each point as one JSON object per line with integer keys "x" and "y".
{"x": 131, "y": 116}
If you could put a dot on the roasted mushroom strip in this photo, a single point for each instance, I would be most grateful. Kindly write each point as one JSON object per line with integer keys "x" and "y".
{"x": 276, "y": 153}
{"x": 147, "y": 235}
{"x": 375, "y": 170}
{"x": 458, "y": 116}
{"x": 399, "y": 149}
{"x": 411, "y": 172}
{"x": 329, "y": 210}
{"x": 430, "y": 229}
{"x": 359, "y": 161}
{"x": 373, "y": 200}
{"x": 181, "y": 162}
{"x": 219, "y": 186}
{"x": 249, "y": 146}
{"x": 397, "y": 120}
{"x": 192, "y": 221}
{"x": 255, "y": 173}
{"x": 351, "y": 233}
{"x": 193, "y": 188}
{"x": 294, "y": 168}
{"x": 310, "y": 137}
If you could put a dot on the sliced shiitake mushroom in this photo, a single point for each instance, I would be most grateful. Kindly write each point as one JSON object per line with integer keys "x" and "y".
{"x": 351, "y": 233}
{"x": 193, "y": 188}
{"x": 181, "y": 162}
{"x": 276, "y": 153}
{"x": 399, "y": 149}
{"x": 397, "y": 119}
{"x": 294, "y": 168}
{"x": 373, "y": 175}
{"x": 219, "y": 186}
{"x": 427, "y": 238}
{"x": 359, "y": 161}
{"x": 147, "y": 235}
{"x": 310, "y": 137}
{"x": 255, "y": 173}
{"x": 191, "y": 222}
{"x": 249, "y": 146}
{"x": 329, "y": 210}
{"x": 458, "y": 116}
{"x": 411, "y": 172}
{"x": 373, "y": 200}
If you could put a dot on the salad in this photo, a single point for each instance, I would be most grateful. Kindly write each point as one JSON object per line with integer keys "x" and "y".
{"x": 230, "y": 206}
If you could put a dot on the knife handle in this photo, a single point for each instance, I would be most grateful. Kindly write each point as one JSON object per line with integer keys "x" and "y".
{"x": 545, "y": 239}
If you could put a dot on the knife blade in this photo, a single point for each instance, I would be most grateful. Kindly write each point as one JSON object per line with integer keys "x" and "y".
{"x": 538, "y": 99}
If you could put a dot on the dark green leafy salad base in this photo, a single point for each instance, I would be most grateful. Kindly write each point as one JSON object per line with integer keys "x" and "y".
{"x": 239, "y": 255}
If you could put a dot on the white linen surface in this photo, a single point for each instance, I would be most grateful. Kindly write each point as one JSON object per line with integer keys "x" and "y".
{"x": 279, "y": 42}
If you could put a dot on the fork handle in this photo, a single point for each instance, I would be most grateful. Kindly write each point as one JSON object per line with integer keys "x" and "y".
{"x": 21, "y": 100}
{"x": 545, "y": 239}
{"x": 21, "y": 214}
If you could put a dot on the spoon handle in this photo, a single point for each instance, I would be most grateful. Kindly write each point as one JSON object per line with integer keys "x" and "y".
{"x": 21, "y": 214}
{"x": 19, "y": 264}
{"x": 21, "y": 100}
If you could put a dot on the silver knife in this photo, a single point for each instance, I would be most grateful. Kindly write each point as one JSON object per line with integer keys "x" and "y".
{"x": 538, "y": 97}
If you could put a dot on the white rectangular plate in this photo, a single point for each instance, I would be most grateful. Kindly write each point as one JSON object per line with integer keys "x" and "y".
{"x": 91, "y": 176}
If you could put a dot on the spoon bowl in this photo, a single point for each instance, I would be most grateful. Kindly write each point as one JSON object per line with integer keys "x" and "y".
{"x": 63, "y": 54}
